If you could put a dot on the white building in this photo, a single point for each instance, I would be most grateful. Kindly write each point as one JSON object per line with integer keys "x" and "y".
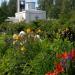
{"x": 28, "y": 12}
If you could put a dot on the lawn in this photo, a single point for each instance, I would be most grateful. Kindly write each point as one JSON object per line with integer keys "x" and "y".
{"x": 2, "y": 37}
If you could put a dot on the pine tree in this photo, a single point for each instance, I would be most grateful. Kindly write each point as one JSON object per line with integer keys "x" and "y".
{"x": 12, "y": 7}
{"x": 3, "y": 11}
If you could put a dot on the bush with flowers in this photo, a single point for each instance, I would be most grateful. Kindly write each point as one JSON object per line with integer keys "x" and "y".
{"x": 38, "y": 48}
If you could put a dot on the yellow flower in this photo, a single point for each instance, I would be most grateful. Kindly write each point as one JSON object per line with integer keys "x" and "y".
{"x": 23, "y": 48}
{"x": 67, "y": 29}
{"x": 28, "y": 30}
{"x": 38, "y": 31}
{"x": 21, "y": 44}
{"x": 19, "y": 37}
{"x": 15, "y": 37}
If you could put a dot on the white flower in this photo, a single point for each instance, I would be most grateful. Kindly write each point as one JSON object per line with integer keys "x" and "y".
{"x": 22, "y": 33}
{"x": 37, "y": 36}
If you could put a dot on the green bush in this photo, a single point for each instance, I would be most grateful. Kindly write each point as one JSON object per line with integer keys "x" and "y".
{"x": 39, "y": 56}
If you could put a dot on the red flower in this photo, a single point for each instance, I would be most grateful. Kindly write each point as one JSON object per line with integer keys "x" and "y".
{"x": 59, "y": 68}
{"x": 72, "y": 53}
{"x": 51, "y": 73}
{"x": 65, "y": 55}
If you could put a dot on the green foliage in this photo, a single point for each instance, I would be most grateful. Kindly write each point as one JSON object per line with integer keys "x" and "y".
{"x": 39, "y": 56}
{"x": 3, "y": 12}
{"x": 7, "y": 10}
{"x": 36, "y": 57}
{"x": 56, "y": 8}
{"x": 12, "y": 7}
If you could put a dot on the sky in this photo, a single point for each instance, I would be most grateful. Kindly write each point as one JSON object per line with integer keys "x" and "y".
{"x": 0, "y": 2}
{"x": 26, "y": 1}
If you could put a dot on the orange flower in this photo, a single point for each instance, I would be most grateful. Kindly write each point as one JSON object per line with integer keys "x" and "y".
{"x": 65, "y": 55}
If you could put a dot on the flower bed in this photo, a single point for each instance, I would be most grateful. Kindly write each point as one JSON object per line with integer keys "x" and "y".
{"x": 41, "y": 49}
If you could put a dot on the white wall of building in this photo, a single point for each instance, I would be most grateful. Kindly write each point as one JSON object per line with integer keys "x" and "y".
{"x": 34, "y": 15}
{"x": 31, "y": 15}
{"x": 20, "y": 15}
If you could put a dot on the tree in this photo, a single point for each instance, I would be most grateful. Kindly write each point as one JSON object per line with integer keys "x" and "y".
{"x": 45, "y": 5}
{"x": 12, "y": 7}
{"x": 3, "y": 11}
{"x": 57, "y": 8}
{"x": 7, "y": 10}
{"x": 52, "y": 7}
